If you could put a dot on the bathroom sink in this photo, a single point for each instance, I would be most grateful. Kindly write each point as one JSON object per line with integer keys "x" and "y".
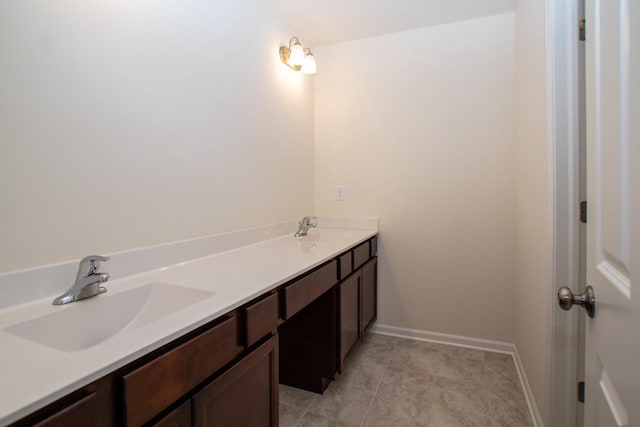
{"x": 89, "y": 322}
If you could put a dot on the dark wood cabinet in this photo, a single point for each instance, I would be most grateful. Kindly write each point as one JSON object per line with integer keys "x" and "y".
{"x": 369, "y": 294}
{"x": 246, "y": 395}
{"x": 261, "y": 319}
{"x": 74, "y": 414}
{"x": 226, "y": 373}
{"x": 151, "y": 388}
{"x": 349, "y": 324}
{"x": 345, "y": 265}
{"x": 302, "y": 292}
{"x": 308, "y": 345}
{"x": 361, "y": 254}
{"x": 357, "y": 302}
{"x": 91, "y": 405}
{"x": 179, "y": 417}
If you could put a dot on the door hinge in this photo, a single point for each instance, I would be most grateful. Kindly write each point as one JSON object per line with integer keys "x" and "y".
{"x": 582, "y": 33}
{"x": 581, "y": 392}
{"x": 583, "y": 211}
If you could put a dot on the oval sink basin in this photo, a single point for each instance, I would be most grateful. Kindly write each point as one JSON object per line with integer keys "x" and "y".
{"x": 86, "y": 323}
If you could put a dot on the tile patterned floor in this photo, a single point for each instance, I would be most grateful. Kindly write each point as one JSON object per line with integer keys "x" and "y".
{"x": 397, "y": 382}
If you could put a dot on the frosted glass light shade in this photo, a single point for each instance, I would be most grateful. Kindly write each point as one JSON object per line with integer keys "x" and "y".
{"x": 309, "y": 64}
{"x": 296, "y": 56}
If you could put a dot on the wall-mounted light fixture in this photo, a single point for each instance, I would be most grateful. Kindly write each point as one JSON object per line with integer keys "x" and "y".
{"x": 298, "y": 58}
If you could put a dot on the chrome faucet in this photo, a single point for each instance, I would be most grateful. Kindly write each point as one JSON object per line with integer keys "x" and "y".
{"x": 304, "y": 225}
{"x": 88, "y": 281}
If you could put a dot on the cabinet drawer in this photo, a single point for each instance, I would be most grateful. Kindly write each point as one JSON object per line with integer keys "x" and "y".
{"x": 262, "y": 319}
{"x": 153, "y": 387}
{"x": 374, "y": 247}
{"x": 81, "y": 412}
{"x": 345, "y": 264}
{"x": 360, "y": 254}
{"x": 310, "y": 287}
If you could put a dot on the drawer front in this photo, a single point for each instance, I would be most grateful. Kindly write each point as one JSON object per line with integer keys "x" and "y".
{"x": 360, "y": 254}
{"x": 153, "y": 387}
{"x": 307, "y": 289}
{"x": 374, "y": 247}
{"x": 262, "y": 319}
{"x": 345, "y": 264}
{"x": 82, "y": 412}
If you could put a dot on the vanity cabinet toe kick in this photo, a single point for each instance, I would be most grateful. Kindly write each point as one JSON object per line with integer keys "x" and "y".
{"x": 228, "y": 371}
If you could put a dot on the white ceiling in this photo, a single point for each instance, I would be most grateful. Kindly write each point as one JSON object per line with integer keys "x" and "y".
{"x": 319, "y": 22}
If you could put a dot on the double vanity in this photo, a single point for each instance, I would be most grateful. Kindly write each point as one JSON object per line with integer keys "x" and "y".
{"x": 204, "y": 341}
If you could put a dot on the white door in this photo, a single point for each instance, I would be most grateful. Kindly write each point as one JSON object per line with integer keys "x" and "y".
{"x": 613, "y": 229}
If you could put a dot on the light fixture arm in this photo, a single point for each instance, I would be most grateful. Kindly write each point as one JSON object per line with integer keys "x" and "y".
{"x": 285, "y": 54}
{"x": 291, "y": 41}
{"x": 297, "y": 57}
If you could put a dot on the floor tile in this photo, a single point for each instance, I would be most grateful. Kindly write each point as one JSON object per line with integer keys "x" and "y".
{"x": 343, "y": 403}
{"x": 433, "y": 359}
{"x": 289, "y": 416}
{"x": 314, "y": 420}
{"x": 296, "y": 397}
{"x": 501, "y": 366}
{"x": 371, "y": 352}
{"x": 390, "y": 381}
{"x": 455, "y": 408}
{"x": 400, "y": 405}
{"x": 510, "y": 413}
{"x": 362, "y": 374}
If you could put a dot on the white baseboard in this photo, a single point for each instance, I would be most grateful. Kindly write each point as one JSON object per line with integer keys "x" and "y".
{"x": 528, "y": 393}
{"x": 437, "y": 337}
{"x": 469, "y": 342}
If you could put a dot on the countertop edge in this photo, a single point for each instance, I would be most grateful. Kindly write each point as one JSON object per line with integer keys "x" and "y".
{"x": 135, "y": 353}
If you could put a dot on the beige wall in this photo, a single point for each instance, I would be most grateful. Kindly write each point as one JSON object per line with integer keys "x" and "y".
{"x": 125, "y": 124}
{"x": 419, "y": 127}
{"x": 534, "y": 217}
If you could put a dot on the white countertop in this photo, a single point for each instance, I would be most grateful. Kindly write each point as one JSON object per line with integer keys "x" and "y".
{"x": 34, "y": 375}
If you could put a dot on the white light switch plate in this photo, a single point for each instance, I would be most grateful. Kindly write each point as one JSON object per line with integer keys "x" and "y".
{"x": 340, "y": 194}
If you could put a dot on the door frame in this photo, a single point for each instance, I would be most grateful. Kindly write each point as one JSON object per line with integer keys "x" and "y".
{"x": 563, "y": 110}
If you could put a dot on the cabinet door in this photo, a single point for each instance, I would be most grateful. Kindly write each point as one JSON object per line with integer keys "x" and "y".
{"x": 369, "y": 293}
{"x": 179, "y": 417}
{"x": 246, "y": 395}
{"x": 349, "y": 315}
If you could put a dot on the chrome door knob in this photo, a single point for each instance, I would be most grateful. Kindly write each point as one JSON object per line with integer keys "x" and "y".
{"x": 587, "y": 299}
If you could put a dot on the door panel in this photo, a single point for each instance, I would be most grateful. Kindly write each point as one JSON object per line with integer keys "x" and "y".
{"x": 613, "y": 232}
{"x": 369, "y": 293}
{"x": 612, "y": 187}
{"x": 349, "y": 315}
{"x": 179, "y": 417}
{"x": 245, "y": 396}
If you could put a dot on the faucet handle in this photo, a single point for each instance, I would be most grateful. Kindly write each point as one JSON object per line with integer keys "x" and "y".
{"x": 90, "y": 265}
{"x": 309, "y": 221}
